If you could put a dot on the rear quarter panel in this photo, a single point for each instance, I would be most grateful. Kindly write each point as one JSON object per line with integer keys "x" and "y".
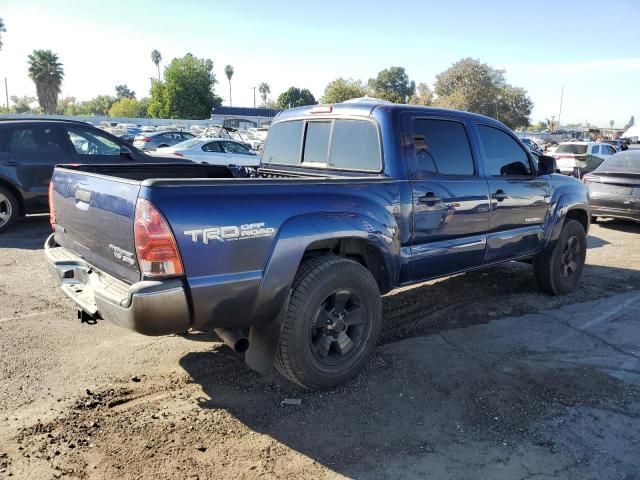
{"x": 240, "y": 280}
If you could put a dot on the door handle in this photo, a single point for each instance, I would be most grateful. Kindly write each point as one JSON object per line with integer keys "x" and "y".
{"x": 429, "y": 198}
{"x": 500, "y": 195}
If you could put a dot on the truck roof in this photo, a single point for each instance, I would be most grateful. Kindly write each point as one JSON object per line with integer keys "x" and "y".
{"x": 365, "y": 107}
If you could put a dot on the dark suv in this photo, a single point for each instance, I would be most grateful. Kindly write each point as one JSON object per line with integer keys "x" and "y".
{"x": 30, "y": 148}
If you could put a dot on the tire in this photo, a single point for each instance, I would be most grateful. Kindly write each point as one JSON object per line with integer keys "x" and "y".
{"x": 9, "y": 209}
{"x": 331, "y": 324}
{"x": 162, "y": 146}
{"x": 559, "y": 267}
{"x": 594, "y": 219}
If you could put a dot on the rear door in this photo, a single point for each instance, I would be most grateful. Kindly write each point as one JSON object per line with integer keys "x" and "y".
{"x": 519, "y": 197}
{"x": 238, "y": 154}
{"x": 29, "y": 154}
{"x": 450, "y": 197}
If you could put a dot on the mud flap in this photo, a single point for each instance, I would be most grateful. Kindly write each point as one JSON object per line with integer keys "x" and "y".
{"x": 263, "y": 343}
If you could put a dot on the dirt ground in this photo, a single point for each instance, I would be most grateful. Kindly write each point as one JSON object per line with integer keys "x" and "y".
{"x": 476, "y": 376}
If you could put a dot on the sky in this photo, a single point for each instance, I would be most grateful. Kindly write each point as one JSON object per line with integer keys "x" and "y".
{"x": 591, "y": 48}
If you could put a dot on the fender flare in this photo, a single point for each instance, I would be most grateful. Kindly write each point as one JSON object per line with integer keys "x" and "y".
{"x": 560, "y": 208}
{"x": 294, "y": 237}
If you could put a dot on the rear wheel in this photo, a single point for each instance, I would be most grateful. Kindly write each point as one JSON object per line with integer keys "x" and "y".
{"x": 9, "y": 208}
{"x": 332, "y": 323}
{"x": 558, "y": 268}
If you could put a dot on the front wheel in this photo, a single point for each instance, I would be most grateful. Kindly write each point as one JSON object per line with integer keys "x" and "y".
{"x": 559, "y": 267}
{"x": 9, "y": 208}
{"x": 332, "y": 323}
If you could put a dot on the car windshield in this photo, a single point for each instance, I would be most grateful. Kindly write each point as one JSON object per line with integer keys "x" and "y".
{"x": 572, "y": 148}
{"x": 623, "y": 162}
{"x": 192, "y": 142}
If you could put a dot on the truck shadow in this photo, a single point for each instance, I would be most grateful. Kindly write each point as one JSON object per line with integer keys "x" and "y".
{"x": 28, "y": 233}
{"x": 619, "y": 225}
{"x": 423, "y": 396}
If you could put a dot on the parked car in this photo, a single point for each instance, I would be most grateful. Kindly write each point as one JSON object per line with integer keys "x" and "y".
{"x": 147, "y": 128}
{"x": 354, "y": 200}
{"x": 148, "y": 142}
{"x": 614, "y": 187}
{"x": 30, "y": 149}
{"x": 215, "y": 151}
{"x": 579, "y": 158}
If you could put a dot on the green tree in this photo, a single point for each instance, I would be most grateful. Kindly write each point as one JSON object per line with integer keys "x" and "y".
{"x": 47, "y": 73}
{"x": 422, "y": 96}
{"x": 99, "y": 105}
{"x": 187, "y": 90}
{"x": 64, "y": 103}
{"x": 342, "y": 89}
{"x": 228, "y": 71}
{"x": 264, "y": 90}
{"x": 156, "y": 58}
{"x": 144, "y": 107}
{"x": 296, "y": 97}
{"x": 392, "y": 84}
{"x": 477, "y": 87}
{"x": 125, "y": 107}
{"x": 21, "y": 104}
{"x": 122, "y": 91}
{"x": 630, "y": 123}
{"x": 2, "y": 30}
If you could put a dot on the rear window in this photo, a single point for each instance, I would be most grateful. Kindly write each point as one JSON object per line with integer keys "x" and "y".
{"x": 574, "y": 149}
{"x": 284, "y": 143}
{"x": 340, "y": 143}
{"x": 623, "y": 162}
{"x": 188, "y": 143}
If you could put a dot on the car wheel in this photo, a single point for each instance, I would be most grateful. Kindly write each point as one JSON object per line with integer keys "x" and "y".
{"x": 9, "y": 208}
{"x": 594, "y": 219}
{"x": 331, "y": 324}
{"x": 559, "y": 267}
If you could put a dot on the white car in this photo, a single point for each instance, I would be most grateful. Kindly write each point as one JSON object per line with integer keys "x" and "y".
{"x": 215, "y": 151}
{"x": 582, "y": 156}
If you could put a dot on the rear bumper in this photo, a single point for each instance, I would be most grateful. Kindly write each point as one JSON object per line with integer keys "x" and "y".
{"x": 610, "y": 211}
{"x": 147, "y": 307}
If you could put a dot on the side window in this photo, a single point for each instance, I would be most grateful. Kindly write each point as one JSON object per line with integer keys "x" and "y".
{"x": 355, "y": 145}
{"x": 595, "y": 149}
{"x": 88, "y": 142}
{"x": 284, "y": 143}
{"x": 212, "y": 147}
{"x": 23, "y": 140}
{"x": 442, "y": 147}
{"x": 503, "y": 155}
{"x": 232, "y": 147}
{"x": 316, "y": 143}
{"x": 52, "y": 140}
{"x": 187, "y": 136}
{"x": 609, "y": 150}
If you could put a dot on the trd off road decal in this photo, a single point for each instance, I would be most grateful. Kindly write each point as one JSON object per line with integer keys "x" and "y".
{"x": 230, "y": 233}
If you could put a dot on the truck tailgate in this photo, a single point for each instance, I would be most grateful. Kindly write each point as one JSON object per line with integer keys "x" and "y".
{"x": 94, "y": 217}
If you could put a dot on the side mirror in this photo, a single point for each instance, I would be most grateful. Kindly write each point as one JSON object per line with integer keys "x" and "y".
{"x": 547, "y": 165}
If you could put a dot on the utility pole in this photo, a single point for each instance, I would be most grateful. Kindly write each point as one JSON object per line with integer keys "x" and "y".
{"x": 254, "y": 97}
{"x": 560, "y": 112}
{"x": 6, "y": 91}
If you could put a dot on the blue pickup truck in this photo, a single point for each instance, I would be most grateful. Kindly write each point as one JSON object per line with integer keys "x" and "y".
{"x": 288, "y": 265}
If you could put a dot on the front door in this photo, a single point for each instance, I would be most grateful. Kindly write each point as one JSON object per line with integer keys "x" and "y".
{"x": 94, "y": 148}
{"x": 519, "y": 197}
{"x": 450, "y": 197}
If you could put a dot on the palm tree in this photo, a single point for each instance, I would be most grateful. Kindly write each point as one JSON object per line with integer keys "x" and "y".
{"x": 228, "y": 71}
{"x": 47, "y": 73}
{"x": 264, "y": 90}
{"x": 2, "y": 29}
{"x": 156, "y": 57}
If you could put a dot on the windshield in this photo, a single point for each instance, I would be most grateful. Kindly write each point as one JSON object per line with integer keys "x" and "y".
{"x": 192, "y": 142}
{"x": 575, "y": 149}
{"x": 627, "y": 162}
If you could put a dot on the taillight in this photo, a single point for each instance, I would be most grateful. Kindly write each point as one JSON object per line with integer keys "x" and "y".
{"x": 146, "y": 139}
{"x": 52, "y": 214}
{"x": 155, "y": 246}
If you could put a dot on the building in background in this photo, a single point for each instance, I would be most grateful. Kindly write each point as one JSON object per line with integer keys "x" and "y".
{"x": 243, "y": 118}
